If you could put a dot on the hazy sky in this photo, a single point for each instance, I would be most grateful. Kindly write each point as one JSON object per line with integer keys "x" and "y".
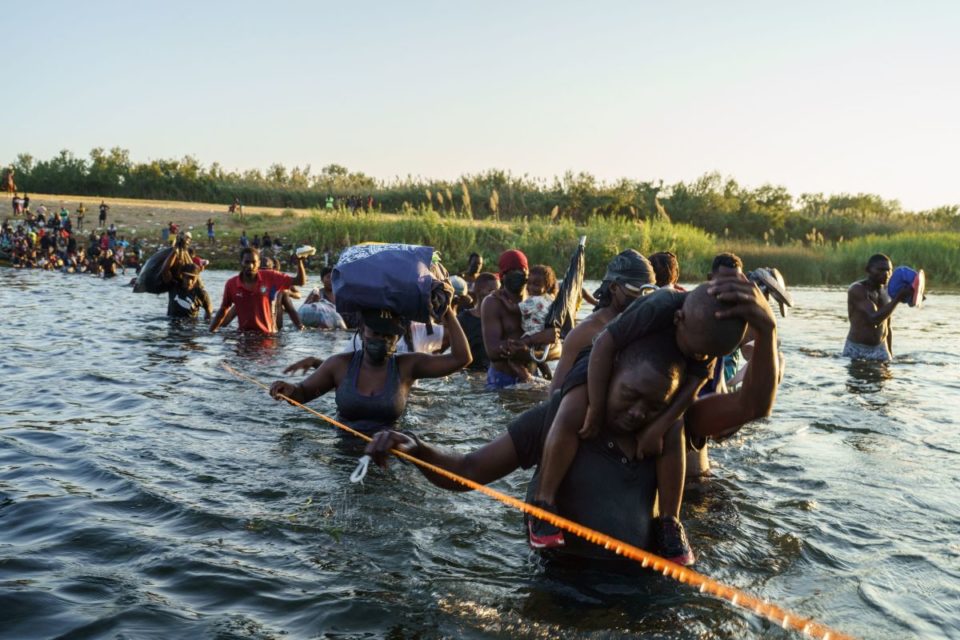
{"x": 817, "y": 96}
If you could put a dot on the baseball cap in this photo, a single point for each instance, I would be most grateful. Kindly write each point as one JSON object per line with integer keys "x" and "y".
{"x": 630, "y": 269}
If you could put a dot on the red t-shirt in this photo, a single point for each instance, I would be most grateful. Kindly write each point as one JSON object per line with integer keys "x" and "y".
{"x": 255, "y": 306}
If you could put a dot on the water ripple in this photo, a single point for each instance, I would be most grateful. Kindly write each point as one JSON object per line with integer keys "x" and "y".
{"x": 144, "y": 492}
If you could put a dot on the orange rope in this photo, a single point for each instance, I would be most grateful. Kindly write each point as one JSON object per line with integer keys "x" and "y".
{"x": 738, "y": 598}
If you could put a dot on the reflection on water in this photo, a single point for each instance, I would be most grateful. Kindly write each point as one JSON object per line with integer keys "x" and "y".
{"x": 145, "y": 492}
{"x": 867, "y": 376}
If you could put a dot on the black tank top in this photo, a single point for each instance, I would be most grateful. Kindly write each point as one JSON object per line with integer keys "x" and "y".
{"x": 370, "y": 414}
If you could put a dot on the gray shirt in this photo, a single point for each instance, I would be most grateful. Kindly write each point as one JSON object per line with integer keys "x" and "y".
{"x": 603, "y": 488}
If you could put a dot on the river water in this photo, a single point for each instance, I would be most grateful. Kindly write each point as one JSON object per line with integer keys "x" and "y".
{"x": 147, "y": 493}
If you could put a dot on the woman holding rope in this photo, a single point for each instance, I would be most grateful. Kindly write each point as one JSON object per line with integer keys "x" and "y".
{"x": 372, "y": 383}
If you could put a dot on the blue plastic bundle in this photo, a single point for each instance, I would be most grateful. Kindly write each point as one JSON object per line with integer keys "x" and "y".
{"x": 403, "y": 278}
{"x": 905, "y": 277}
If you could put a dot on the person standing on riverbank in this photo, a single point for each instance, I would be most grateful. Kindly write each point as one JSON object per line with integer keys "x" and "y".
{"x": 252, "y": 293}
{"x": 869, "y": 308}
{"x": 104, "y": 207}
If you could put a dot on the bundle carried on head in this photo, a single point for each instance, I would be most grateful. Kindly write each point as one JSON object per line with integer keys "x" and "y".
{"x": 149, "y": 280}
{"x": 406, "y": 279}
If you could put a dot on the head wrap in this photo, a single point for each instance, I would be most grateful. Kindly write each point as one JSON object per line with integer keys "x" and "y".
{"x": 512, "y": 260}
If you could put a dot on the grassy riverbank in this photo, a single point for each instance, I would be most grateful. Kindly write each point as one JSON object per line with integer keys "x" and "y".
{"x": 552, "y": 242}
{"x": 937, "y": 253}
{"x": 544, "y": 240}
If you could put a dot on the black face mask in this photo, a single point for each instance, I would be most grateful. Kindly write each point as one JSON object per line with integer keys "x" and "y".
{"x": 377, "y": 350}
{"x": 514, "y": 282}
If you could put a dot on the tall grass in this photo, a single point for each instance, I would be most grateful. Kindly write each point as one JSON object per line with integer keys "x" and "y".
{"x": 936, "y": 253}
{"x": 551, "y": 242}
{"x": 544, "y": 241}
{"x": 799, "y": 264}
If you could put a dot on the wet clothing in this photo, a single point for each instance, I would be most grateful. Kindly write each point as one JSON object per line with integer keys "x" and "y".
{"x": 857, "y": 351}
{"x": 187, "y": 303}
{"x": 370, "y": 414}
{"x": 473, "y": 329}
{"x": 649, "y": 314}
{"x": 603, "y": 489}
{"x": 499, "y": 380}
{"x": 255, "y": 307}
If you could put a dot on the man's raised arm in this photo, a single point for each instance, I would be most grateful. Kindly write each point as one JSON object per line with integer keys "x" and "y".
{"x": 721, "y": 415}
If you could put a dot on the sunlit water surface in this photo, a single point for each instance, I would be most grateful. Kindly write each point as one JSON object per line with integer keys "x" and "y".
{"x": 145, "y": 492}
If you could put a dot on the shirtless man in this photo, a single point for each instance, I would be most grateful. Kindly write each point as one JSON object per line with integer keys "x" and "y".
{"x": 503, "y": 339}
{"x": 469, "y": 318}
{"x": 869, "y": 308}
{"x": 474, "y": 267}
{"x": 629, "y": 275}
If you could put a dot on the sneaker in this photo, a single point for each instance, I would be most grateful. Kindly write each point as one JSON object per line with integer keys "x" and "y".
{"x": 543, "y": 535}
{"x": 672, "y": 541}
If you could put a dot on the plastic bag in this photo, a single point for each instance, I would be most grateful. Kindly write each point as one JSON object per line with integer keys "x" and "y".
{"x": 406, "y": 279}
